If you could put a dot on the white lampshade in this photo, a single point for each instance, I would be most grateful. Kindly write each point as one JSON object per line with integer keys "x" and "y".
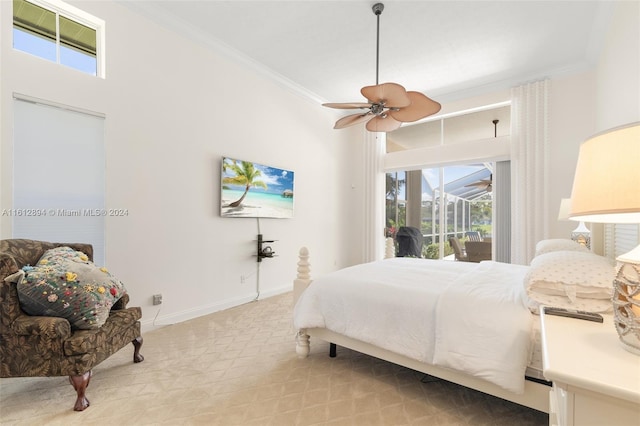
{"x": 565, "y": 209}
{"x": 606, "y": 186}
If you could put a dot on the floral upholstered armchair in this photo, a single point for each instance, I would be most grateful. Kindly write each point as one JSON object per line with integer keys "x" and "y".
{"x": 47, "y": 346}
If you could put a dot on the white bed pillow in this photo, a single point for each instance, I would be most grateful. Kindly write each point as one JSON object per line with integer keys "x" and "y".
{"x": 571, "y": 279}
{"x": 535, "y": 300}
{"x": 559, "y": 244}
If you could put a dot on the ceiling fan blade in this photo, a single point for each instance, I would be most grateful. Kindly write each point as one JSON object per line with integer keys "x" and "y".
{"x": 480, "y": 183}
{"x": 391, "y": 94}
{"x": 383, "y": 124}
{"x": 348, "y": 105}
{"x": 352, "y": 119}
{"x": 421, "y": 107}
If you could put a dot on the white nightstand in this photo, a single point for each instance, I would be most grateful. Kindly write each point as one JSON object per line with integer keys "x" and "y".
{"x": 595, "y": 381}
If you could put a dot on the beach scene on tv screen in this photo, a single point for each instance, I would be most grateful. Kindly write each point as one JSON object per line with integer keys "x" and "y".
{"x": 254, "y": 190}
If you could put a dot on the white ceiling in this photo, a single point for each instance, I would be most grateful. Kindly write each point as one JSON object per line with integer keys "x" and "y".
{"x": 445, "y": 49}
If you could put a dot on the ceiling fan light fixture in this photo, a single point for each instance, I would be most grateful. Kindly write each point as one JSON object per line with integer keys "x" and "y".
{"x": 390, "y": 104}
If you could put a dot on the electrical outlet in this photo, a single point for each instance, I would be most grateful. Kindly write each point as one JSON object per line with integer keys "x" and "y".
{"x": 157, "y": 299}
{"x": 243, "y": 279}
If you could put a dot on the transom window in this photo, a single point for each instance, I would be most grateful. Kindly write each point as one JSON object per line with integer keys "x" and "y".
{"x": 60, "y": 33}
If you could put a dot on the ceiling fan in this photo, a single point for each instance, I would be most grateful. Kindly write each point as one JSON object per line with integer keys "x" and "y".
{"x": 486, "y": 184}
{"x": 389, "y": 104}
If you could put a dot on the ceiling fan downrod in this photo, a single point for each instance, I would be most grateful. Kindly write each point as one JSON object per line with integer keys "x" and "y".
{"x": 388, "y": 105}
{"x": 377, "y": 10}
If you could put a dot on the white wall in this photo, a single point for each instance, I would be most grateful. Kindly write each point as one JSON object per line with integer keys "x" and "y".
{"x": 587, "y": 103}
{"x": 618, "y": 81}
{"x": 571, "y": 121}
{"x": 173, "y": 109}
{"x": 618, "y": 71}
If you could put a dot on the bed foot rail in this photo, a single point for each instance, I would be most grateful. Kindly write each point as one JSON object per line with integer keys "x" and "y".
{"x": 302, "y": 344}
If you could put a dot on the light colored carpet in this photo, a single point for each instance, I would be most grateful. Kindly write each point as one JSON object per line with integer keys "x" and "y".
{"x": 239, "y": 367}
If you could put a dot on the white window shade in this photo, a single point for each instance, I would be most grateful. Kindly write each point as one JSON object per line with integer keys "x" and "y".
{"x": 58, "y": 175}
{"x": 620, "y": 238}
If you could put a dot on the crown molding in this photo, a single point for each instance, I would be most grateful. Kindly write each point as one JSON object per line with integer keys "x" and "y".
{"x": 175, "y": 24}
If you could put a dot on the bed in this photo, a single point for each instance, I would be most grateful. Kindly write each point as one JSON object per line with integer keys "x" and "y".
{"x": 468, "y": 323}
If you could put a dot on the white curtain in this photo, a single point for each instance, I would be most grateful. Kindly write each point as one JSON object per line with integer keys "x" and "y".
{"x": 374, "y": 191}
{"x": 502, "y": 212}
{"x": 529, "y": 168}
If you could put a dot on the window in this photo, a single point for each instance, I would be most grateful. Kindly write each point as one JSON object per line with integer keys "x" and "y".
{"x": 59, "y": 33}
{"x": 442, "y": 202}
{"x": 441, "y": 179}
{"x": 58, "y": 174}
{"x": 620, "y": 238}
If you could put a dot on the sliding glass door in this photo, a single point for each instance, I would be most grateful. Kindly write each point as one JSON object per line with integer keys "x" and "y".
{"x": 442, "y": 203}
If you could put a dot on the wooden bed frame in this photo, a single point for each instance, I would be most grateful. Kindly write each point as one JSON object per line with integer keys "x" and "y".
{"x": 536, "y": 395}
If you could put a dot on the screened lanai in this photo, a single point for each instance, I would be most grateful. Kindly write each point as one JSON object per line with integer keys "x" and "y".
{"x": 444, "y": 200}
{"x": 441, "y": 202}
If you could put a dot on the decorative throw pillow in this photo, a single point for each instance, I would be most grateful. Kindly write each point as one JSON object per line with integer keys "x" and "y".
{"x": 559, "y": 244}
{"x": 571, "y": 279}
{"x": 64, "y": 283}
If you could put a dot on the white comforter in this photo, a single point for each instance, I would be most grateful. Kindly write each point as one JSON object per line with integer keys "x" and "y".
{"x": 464, "y": 316}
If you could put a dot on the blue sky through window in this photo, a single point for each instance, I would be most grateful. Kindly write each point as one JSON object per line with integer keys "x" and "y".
{"x": 46, "y": 49}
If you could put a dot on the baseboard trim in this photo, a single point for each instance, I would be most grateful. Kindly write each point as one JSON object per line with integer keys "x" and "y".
{"x": 189, "y": 314}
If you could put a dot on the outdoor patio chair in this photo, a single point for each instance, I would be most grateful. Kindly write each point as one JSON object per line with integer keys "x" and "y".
{"x": 478, "y": 251}
{"x": 459, "y": 252}
{"x": 473, "y": 236}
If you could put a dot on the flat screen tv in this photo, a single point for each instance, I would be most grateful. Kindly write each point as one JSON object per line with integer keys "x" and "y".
{"x": 254, "y": 190}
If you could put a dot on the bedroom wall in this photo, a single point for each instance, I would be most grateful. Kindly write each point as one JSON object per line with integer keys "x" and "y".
{"x": 572, "y": 117}
{"x": 586, "y": 103}
{"x": 618, "y": 81}
{"x": 173, "y": 109}
{"x": 618, "y": 71}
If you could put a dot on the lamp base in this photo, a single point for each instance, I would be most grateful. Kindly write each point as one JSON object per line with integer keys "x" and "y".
{"x": 626, "y": 305}
{"x": 582, "y": 235}
{"x": 629, "y": 348}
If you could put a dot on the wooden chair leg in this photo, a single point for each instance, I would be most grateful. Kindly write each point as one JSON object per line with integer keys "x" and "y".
{"x": 80, "y": 384}
{"x": 137, "y": 343}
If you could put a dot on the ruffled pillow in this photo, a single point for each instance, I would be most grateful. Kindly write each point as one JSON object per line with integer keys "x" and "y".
{"x": 65, "y": 283}
{"x": 572, "y": 280}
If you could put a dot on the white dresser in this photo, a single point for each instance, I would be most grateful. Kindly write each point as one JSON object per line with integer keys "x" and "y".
{"x": 595, "y": 381}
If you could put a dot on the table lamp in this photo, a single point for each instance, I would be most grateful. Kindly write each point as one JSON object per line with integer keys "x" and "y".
{"x": 581, "y": 234}
{"x": 606, "y": 189}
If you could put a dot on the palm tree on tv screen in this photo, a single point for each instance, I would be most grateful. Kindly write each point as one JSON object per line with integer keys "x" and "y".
{"x": 246, "y": 175}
